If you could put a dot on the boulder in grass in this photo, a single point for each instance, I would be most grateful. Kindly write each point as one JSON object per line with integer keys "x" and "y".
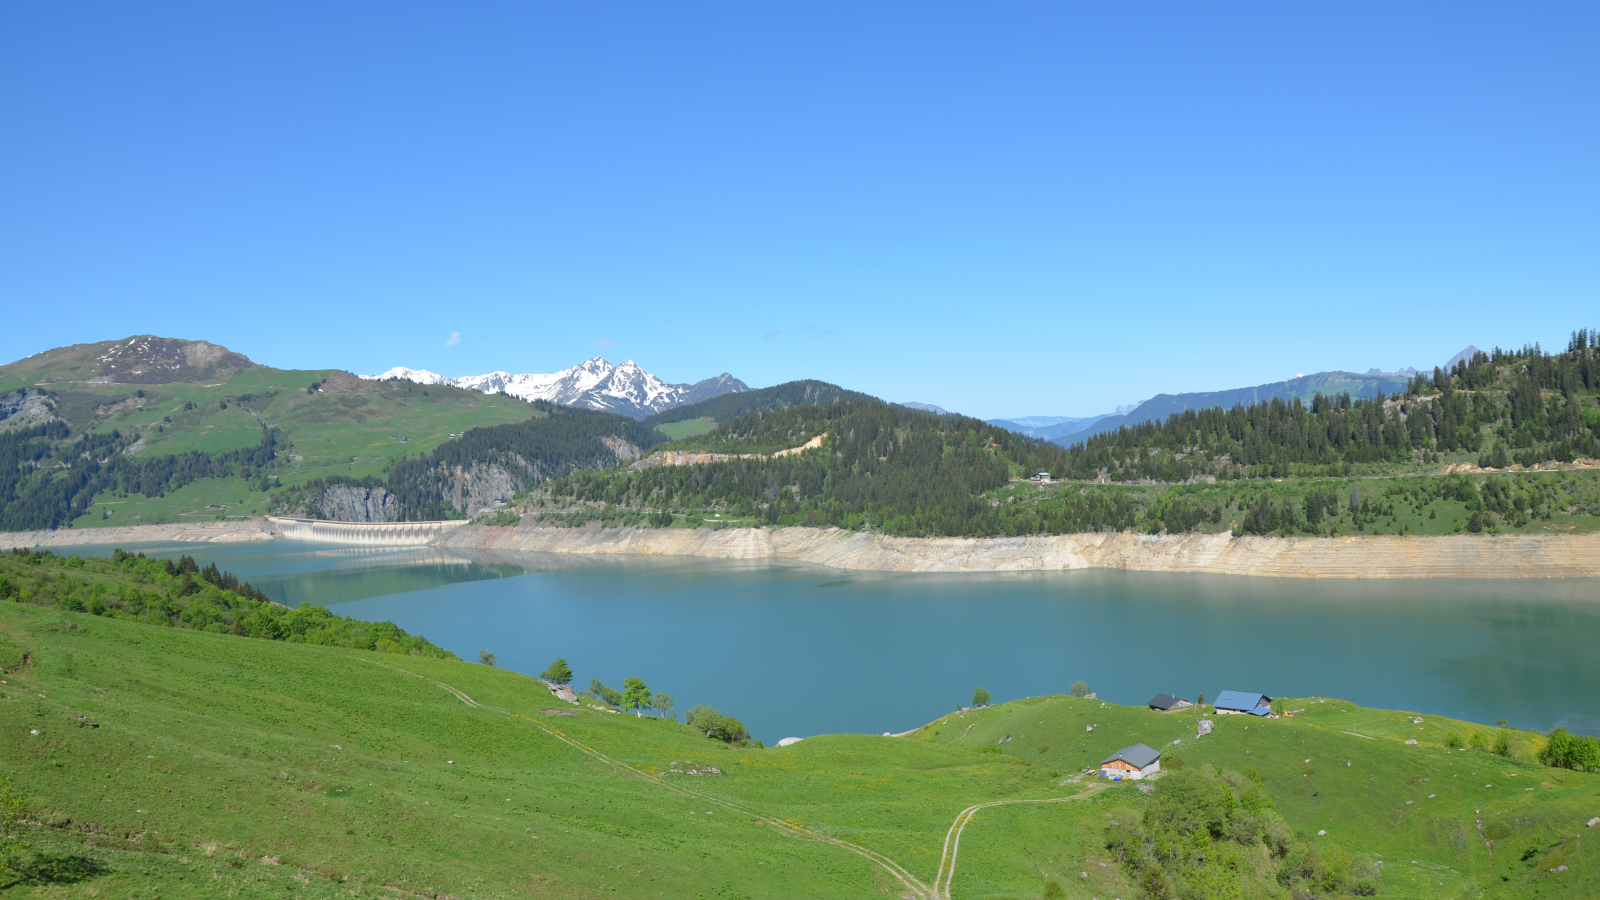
{"x": 1594, "y": 821}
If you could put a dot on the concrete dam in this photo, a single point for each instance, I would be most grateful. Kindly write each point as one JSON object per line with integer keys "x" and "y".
{"x": 386, "y": 534}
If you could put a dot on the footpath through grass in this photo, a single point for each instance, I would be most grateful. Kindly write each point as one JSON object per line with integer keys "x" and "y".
{"x": 230, "y": 766}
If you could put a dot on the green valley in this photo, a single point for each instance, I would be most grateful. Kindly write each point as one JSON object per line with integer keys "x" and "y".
{"x": 189, "y": 763}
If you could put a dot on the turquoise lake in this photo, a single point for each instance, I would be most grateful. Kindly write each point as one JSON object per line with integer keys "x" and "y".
{"x": 802, "y": 650}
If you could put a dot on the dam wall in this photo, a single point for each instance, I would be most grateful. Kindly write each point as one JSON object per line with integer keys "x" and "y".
{"x": 384, "y": 534}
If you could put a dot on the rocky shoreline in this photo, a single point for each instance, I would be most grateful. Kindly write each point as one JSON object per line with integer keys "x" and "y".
{"x": 1448, "y": 556}
{"x": 201, "y": 532}
{"x": 1379, "y": 556}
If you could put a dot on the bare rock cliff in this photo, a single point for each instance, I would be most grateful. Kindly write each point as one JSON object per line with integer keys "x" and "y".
{"x": 353, "y": 503}
{"x": 475, "y": 489}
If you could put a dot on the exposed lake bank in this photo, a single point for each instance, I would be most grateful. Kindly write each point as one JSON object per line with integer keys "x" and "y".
{"x": 200, "y": 532}
{"x": 1449, "y": 556}
{"x": 1379, "y": 556}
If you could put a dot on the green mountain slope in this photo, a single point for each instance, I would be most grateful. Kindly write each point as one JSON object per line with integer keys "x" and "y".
{"x": 1522, "y": 408}
{"x": 193, "y": 764}
{"x": 156, "y": 430}
{"x": 1525, "y": 425}
{"x": 895, "y": 468}
{"x": 504, "y": 459}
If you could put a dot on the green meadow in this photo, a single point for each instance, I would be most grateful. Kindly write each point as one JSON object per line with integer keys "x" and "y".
{"x": 230, "y": 766}
{"x": 688, "y": 428}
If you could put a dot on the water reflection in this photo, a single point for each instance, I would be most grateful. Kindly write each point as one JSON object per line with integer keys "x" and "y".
{"x": 297, "y": 572}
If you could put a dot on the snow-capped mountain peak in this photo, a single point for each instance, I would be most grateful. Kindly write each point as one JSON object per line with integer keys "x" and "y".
{"x": 593, "y": 384}
{"x": 420, "y": 376}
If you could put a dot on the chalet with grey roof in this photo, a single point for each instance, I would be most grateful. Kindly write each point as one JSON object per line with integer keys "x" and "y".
{"x": 1131, "y": 763}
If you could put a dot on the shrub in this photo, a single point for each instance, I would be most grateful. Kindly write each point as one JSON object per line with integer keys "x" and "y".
{"x": 607, "y": 695}
{"x": 558, "y": 672}
{"x": 1452, "y": 741}
{"x": 1565, "y": 750}
{"x": 717, "y": 726}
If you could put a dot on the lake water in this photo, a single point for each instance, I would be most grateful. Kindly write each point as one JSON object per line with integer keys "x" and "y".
{"x": 802, "y": 650}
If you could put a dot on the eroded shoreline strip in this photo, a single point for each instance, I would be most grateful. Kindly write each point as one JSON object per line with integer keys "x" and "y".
{"x": 1377, "y": 556}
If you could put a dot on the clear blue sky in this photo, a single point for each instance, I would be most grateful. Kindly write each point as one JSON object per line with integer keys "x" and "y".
{"x": 1005, "y": 209}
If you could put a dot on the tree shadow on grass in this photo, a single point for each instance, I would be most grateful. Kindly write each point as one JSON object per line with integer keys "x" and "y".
{"x": 49, "y": 867}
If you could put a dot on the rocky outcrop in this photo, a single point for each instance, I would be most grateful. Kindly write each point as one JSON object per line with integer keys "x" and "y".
{"x": 1451, "y": 556}
{"x": 354, "y": 503}
{"x": 476, "y": 488}
{"x": 626, "y": 450}
{"x": 25, "y": 408}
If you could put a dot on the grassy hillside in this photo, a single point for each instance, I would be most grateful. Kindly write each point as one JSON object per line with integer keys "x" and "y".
{"x": 161, "y": 430}
{"x": 166, "y": 399}
{"x": 226, "y": 765}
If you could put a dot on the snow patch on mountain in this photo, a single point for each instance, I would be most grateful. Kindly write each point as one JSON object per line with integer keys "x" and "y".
{"x": 401, "y": 373}
{"x": 593, "y": 384}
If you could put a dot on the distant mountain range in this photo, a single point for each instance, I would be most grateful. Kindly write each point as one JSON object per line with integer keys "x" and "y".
{"x": 595, "y": 384}
{"x": 1305, "y": 386}
{"x": 1068, "y": 431}
{"x": 1048, "y": 427}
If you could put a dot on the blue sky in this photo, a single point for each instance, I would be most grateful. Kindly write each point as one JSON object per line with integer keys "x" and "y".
{"x": 1004, "y": 209}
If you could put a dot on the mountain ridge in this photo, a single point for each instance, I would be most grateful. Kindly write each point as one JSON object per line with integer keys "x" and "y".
{"x": 592, "y": 384}
{"x": 1304, "y": 387}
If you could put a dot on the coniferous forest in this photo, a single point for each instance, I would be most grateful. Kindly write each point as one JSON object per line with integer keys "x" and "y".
{"x": 1330, "y": 466}
{"x": 50, "y": 476}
